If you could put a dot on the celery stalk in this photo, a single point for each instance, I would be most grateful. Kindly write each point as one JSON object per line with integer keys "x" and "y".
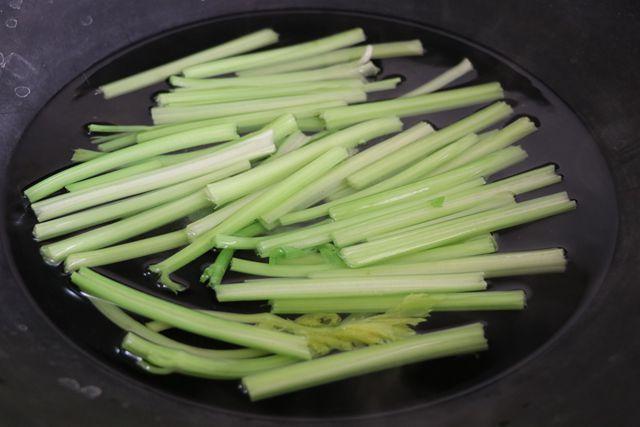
{"x": 442, "y": 80}
{"x": 271, "y": 270}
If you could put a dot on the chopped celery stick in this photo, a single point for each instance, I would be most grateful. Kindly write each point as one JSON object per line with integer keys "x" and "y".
{"x": 102, "y": 128}
{"x": 82, "y": 155}
{"x": 271, "y": 270}
{"x": 449, "y": 76}
{"x": 115, "y": 175}
{"x": 476, "y": 246}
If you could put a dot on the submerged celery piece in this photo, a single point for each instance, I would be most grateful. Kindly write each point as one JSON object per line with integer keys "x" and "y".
{"x": 371, "y": 51}
{"x": 266, "y": 289}
{"x": 206, "y": 223}
{"x": 481, "y": 245}
{"x": 274, "y": 270}
{"x": 188, "y": 319}
{"x": 157, "y": 74}
{"x": 463, "y": 301}
{"x": 452, "y": 74}
{"x": 443, "y": 343}
{"x": 187, "y": 139}
{"x": 339, "y": 117}
{"x": 273, "y": 56}
{"x": 187, "y": 113}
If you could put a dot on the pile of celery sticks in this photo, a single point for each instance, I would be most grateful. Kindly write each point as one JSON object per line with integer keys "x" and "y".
{"x": 263, "y": 152}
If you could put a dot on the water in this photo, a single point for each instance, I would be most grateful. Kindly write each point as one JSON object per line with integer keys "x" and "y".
{"x": 588, "y": 234}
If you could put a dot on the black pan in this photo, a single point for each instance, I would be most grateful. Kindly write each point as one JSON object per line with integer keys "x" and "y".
{"x": 548, "y": 363}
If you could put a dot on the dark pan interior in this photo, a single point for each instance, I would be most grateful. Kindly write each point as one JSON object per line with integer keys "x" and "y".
{"x": 588, "y": 234}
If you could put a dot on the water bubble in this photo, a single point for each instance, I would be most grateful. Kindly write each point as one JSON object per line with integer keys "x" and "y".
{"x": 22, "y": 327}
{"x": 11, "y": 23}
{"x": 22, "y": 91}
{"x": 87, "y": 20}
{"x": 15, "y": 4}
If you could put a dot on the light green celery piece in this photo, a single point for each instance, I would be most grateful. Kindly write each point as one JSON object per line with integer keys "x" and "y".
{"x": 178, "y": 361}
{"x": 129, "y": 324}
{"x": 188, "y": 113}
{"x": 422, "y": 168}
{"x": 451, "y": 75}
{"x": 309, "y": 258}
{"x": 276, "y": 270}
{"x": 492, "y": 265}
{"x": 224, "y": 241}
{"x": 245, "y": 122}
{"x": 340, "y": 366}
{"x": 188, "y": 319}
{"x": 273, "y": 56}
{"x": 99, "y": 139}
{"x": 452, "y": 231}
{"x": 123, "y": 229}
{"x": 266, "y": 289}
{"x": 118, "y": 143}
{"x": 418, "y": 215}
{"x": 480, "y": 245}
{"x": 157, "y": 74}
{"x": 318, "y": 190}
{"x": 480, "y": 168}
{"x": 126, "y": 251}
{"x": 402, "y": 158}
{"x": 343, "y": 190}
{"x": 311, "y": 124}
{"x": 115, "y": 175}
{"x": 103, "y": 128}
{"x": 503, "y": 138}
{"x": 82, "y": 155}
{"x": 462, "y": 301}
{"x": 292, "y": 143}
{"x": 339, "y": 117}
{"x": 252, "y": 211}
{"x": 250, "y": 148}
{"x": 371, "y": 51}
{"x": 268, "y": 173}
{"x": 104, "y": 163}
{"x": 123, "y": 208}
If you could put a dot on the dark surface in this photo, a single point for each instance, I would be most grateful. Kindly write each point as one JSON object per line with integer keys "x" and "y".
{"x": 585, "y": 378}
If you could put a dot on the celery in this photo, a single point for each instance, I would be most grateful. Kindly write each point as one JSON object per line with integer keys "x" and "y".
{"x": 109, "y": 161}
{"x": 443, "y": 343}
{"x": 270, "y": 270}
{"x": 82, "y": 155}
{"x": 340, "y": 117}
{"x": 115, "y": 175}
{"x": 292, "y": 143}
{"x": 102, "y": 128}
{"x": 187, "y": 319}
{"x": 157, "y": 74}
{"x": 437, "y": 83}
{"x": 118, "y": 143}
{"x": 273, "y": 56}
{"x": 377, "y": 51}
{"x": 480, "y": 245}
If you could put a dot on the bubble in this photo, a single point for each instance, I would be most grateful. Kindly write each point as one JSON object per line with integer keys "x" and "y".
{"x": 22, "y": 91}
{"x": 11, "y": 23}
{"x": 15, "y": 4}
{"x": 87, "y": 20}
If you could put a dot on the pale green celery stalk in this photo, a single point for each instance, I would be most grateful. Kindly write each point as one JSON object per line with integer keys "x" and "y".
{"x": 292, "y": 143}
{"x": 481, "y": 245}
{"x": 183, "y": 362}
{"x": 335, "y": 367}
{"x": 339, "y": 117}
{"x": 266, "y": 289}
{"x": 252, "y": 211}
{"x": 115, "y": 175}
{"x": 320, "y": 189}
{"x": 343, "y": 190}
{"x": 455, "y": 230}
{"x": 132, "y": 205}
{"x": 211, "y": 96}
{"x": 124, "y": 229}
{"x": 501, "y": 139}
{"x": 336, "y": 72}
{"x": 463, "y": 301}
{"x": 201, "y": 226}
{"x": 215, "y": 271}
{"x": 399, "y": 160}
{"x": 312, "y": 258}
{"x": 224, "y": 241}
{"x": 422, "y": 168}
{"x": 126, "y": 251}
{"x": 188, "y": 319}
{"x": 418, "y": 215}
{"x": 245, "y": 122}
{"x": 372, "y": 51}
{"x": 268, "y": 173}
{"x": 118, "y": 143}
{"x": 82, "y": 155}
{"x": 99, "y": 139}
{"x": 492, "y": 265}
{"x": 273, "y": 56}
{"x": 311, "y": 124}
{"x": 318, "y": 233}
{"x": 102, "y": 128}
{"x": 129, "y": 324}
{"x": 251, "y": 148}
{"x": 442, "y": 80}
{"x": 106, "y": 162}
{"x": 188, "y": 113}
{"x": 271, "y": 270}
{"x": 480, "y": 168}
{"x": 157, "y": 74}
